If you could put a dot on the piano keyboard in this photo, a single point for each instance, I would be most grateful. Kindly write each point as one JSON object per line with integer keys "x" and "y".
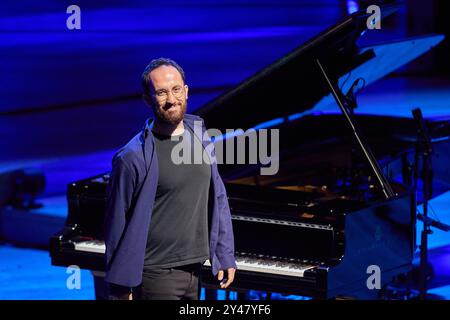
{"x": 91, "y": 246}
{"x": 243, "y": 263}
{"x": 269, "y": 266}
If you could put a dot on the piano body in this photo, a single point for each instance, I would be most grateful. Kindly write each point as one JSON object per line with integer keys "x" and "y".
{"x": 320, "y": 227}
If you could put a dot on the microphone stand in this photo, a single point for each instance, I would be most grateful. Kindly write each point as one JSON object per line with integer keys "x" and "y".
{"x": 424, "y": 147}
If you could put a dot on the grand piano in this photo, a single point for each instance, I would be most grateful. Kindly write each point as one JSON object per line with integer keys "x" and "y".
{"x": 341, "y": 207}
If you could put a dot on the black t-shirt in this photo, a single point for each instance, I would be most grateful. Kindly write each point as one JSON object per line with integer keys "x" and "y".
{"x": 178, "y": 232}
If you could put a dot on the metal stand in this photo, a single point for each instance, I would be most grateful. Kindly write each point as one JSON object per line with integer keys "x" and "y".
{"x": 425, "y": 149}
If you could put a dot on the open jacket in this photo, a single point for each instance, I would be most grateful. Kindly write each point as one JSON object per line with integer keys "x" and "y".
{"x": 131, "y": 195}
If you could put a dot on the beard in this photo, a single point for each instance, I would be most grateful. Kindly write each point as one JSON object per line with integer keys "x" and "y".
{"x": 167, "y": 116}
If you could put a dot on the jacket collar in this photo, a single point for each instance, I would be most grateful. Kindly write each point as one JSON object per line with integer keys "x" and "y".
{"x": 149, "y": 146}
{"x": 188, "y": 119}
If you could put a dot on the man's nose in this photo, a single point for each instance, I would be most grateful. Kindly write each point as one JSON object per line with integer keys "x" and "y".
{"x": 170, "y": 98}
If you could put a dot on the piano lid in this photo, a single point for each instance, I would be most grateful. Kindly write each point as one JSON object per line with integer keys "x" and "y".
{"x": 294, "y": 84}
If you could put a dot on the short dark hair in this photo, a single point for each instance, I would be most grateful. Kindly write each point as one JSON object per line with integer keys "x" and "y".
{"x": 156, "y": 63}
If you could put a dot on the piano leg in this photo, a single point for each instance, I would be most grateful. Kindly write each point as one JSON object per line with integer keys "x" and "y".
{"x": 101, "y": 289}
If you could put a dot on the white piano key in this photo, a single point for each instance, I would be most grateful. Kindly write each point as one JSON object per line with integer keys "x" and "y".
{"x": 90, "y": 246}
{"x": 247, "y": 264}
{"x": 271, "y": 268}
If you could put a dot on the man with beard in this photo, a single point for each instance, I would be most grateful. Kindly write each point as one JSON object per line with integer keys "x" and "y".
{"x": 165, "y": 219}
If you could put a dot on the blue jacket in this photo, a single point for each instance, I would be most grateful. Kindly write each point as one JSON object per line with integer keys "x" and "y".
{"x": 131, "y": 194}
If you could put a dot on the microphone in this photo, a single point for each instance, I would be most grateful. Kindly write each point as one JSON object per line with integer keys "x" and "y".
{"x": 350, "y": 97}
{"x": 352, "y": 88}
{"x": 422, "y": 130}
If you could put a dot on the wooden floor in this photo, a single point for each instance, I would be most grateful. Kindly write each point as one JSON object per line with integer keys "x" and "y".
{"x": 27, "y": 274}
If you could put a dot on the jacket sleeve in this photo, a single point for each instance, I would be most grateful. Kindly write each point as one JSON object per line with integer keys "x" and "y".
{"x": 119, "y": 198}
{"x": 225, "y": 241}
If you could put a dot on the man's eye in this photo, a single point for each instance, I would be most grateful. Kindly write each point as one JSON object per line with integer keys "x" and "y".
{"x": 177, "y": 89}
{"x": 160, "y": 93}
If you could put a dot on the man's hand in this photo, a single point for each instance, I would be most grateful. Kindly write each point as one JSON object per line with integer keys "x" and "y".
{"x": 117, "y": 292}
{"x": 225, "y": 282}
{"x": 124, "y": 296}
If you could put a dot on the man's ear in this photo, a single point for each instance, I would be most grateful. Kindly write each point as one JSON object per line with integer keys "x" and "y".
{"x": 186, "y": 89}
